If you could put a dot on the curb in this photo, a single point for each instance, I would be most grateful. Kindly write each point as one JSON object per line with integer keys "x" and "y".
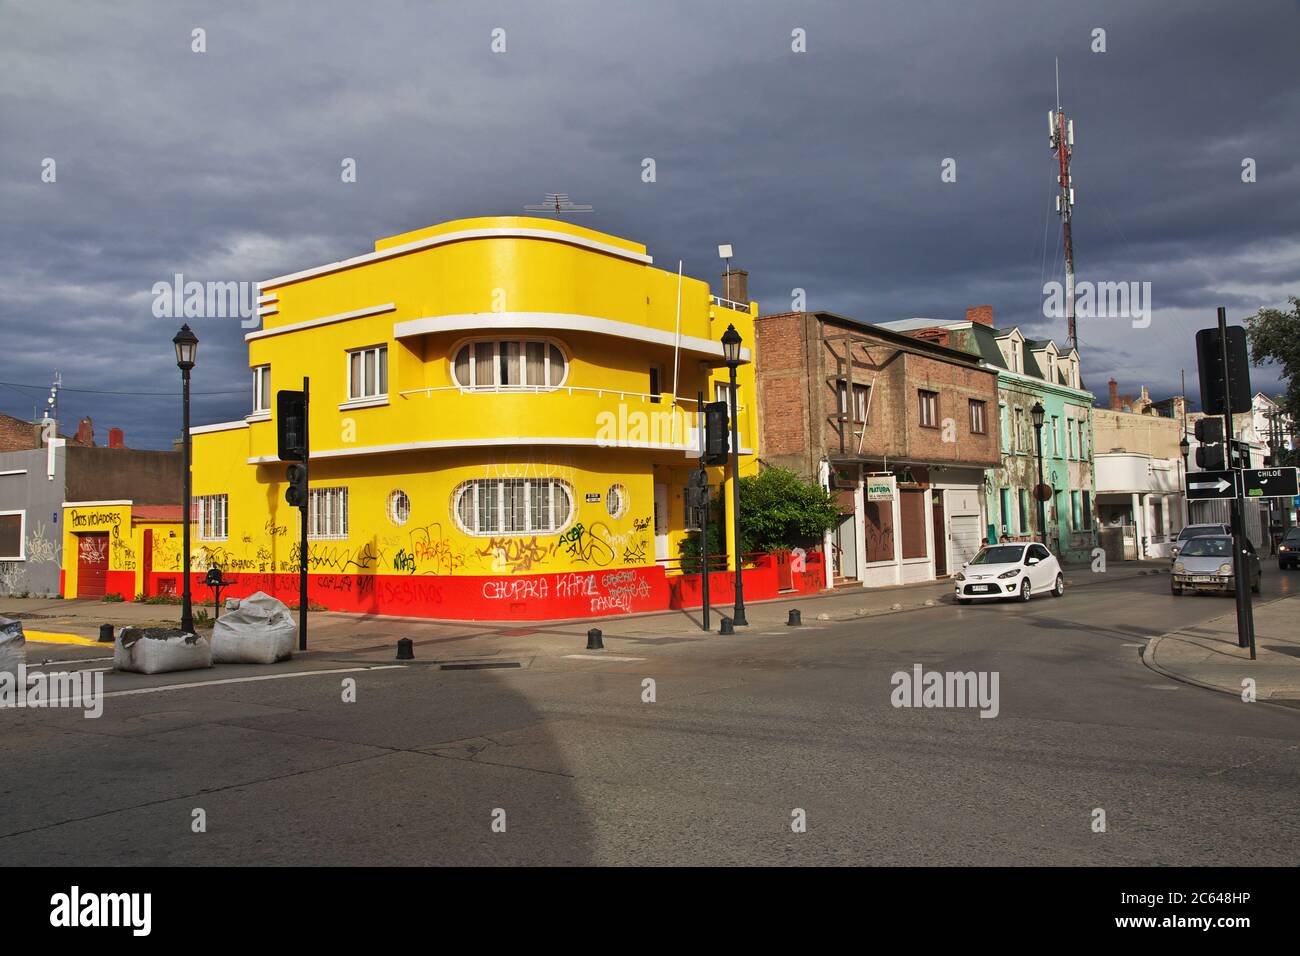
{"x": 59, "y": 637}
{"x": 1148, "y": 653}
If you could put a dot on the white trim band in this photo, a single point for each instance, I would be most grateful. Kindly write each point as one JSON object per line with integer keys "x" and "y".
{"x": 435, "y": 445}
{"x": 218, "y": 427}
{"x": 98, "y": 504}
{"x": 557, "y": 321}
{"x": 460, "y": 236}
{"x": 324, "y": 320}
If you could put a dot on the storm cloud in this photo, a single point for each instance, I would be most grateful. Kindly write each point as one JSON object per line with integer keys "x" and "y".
{"x": 822, "y": 168}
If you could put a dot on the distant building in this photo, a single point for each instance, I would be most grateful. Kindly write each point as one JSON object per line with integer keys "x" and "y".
{"x": 1140, "y": 501}
{"x": 48, "y": 483}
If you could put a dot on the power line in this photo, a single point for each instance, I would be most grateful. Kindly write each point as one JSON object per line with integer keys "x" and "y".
{"x": 104, "y": 391}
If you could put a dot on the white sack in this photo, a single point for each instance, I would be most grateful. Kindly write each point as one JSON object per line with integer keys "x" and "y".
{"x": 13, "y": 646}
{"x": 156, "y": 650}
{"x": 260, "y": 631}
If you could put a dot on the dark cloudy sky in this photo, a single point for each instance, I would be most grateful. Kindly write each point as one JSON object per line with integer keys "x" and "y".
{"x": 821, "y": 168}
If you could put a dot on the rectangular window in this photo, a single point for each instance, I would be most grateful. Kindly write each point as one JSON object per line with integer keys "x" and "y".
{"x": 842, "y": 392}
{"x": 1056, "y": 436}
{"x": 722, "y": 393}
{"x": 1087, "y": 511}
{"x": 860, "y": 395}
{"x": 211, "y": 512}
{"x": 929, "y": 408}
{"x": 1024, "y": 511}
{"x": 262, "y": 388}
{"x": 12, "y": 536}
{"x": 878, "y": 523}
{"x": 654, "y": 384}
{"x": 327, "y": 513}
{"x": 368, "y": 373}
{"x": 1069, "y": 435}
{"x": 977, "y": 422}
{"x": 535, "y": 364}
{"x": 1006, "y": 430}
{"x": 1074, "y": 511}
{"x": 911, "y": 515}
{"x": 1005, "y": 501}
{"x": 1018, "y": 439}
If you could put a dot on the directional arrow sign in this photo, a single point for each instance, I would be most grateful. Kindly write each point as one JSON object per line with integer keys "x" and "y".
{"x": 1269, "y": 483}
{"x": 1211, "y": 484}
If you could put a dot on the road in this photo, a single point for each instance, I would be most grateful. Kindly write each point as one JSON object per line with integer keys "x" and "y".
{"x": 743, "y": 732}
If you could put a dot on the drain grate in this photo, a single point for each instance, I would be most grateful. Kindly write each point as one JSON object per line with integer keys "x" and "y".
{"x": 479, "y": 665}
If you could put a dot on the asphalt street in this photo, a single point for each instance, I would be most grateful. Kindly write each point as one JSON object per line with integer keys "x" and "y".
{"x": 562, "y": 750}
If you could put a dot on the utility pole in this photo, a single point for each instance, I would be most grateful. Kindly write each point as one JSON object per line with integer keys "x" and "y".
{"x": 1240, "y": 566}
{"x": 1063, "y": 146}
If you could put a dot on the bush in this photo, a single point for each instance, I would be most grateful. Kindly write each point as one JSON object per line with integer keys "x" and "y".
{"x": 778, "y": 511}
{"x": 113, "y": 597}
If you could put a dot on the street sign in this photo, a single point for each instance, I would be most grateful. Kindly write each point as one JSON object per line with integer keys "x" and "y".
{"x": 1269, "y": 483}
{"x": 1211, "y": 484}
{"x": 880, "y": 487}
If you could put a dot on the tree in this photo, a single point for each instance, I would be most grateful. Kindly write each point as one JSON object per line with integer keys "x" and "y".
{"x": 778, "y": 511}
{"x": 1275, "y": 340}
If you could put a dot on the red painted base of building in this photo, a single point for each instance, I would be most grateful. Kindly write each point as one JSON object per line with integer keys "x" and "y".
{"x": 534, "y": 597}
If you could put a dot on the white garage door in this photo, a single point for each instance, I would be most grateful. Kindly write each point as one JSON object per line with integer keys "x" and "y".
{"x": 966, "y": 538}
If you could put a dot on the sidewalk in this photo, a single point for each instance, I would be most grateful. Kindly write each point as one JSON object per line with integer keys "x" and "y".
{"x": 1207, "y": 655}
{"x": 338, "y": 631}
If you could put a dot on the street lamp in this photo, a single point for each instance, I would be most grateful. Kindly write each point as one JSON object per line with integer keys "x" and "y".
{"x": 1185, "y": 447}
{"x": 1036, "y": 414}
{"x": 731, "y": 352}
{"x": 187, "y": 347}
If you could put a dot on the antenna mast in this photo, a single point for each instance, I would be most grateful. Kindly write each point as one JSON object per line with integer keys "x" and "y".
{"x": 1062, "y": 140}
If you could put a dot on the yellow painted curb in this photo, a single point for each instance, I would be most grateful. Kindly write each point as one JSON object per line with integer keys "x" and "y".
{"x": 54, "y": 637}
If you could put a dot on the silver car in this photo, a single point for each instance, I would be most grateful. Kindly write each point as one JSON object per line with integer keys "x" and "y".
{"x": 1195, "y": 531}
{"x": 1205, "y": 564}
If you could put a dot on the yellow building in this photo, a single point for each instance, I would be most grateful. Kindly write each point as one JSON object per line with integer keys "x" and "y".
{"x": 502, "y": 421}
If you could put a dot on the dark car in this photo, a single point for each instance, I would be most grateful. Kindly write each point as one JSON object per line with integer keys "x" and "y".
{"x": 1288, "y": 552}
{"x": 1206, "y": 564}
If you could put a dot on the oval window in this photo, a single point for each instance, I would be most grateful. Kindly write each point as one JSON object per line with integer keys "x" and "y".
{"x": 616, "y": 501}
{"x": 399, "y": 507}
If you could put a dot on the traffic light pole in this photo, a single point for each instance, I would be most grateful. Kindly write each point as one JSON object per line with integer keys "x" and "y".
{"x": 302, "y": 523}
{"x": 704, "y": 523}
{"x": 1240, "y": 566}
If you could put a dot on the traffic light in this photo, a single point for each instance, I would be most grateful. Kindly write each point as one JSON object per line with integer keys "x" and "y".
{"x": 296, "y": 493}
{"x": 1209, "y": 431}
{"x": 1210, "y": 458}
{"x": 290, "y": 424}
{"x": 716, "y": 427}
{"x": 1209, "y": 362}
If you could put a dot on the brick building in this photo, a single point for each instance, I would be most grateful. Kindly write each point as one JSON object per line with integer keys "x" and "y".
{"x": 901, "y": 429}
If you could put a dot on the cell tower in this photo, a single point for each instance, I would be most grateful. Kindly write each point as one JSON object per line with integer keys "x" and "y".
{"x": 1062, "y": 139}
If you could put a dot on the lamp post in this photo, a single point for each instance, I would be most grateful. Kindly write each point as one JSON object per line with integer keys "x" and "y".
{"x": 187, "y": 346}
{"x": 731, "y": 352}
{"x": 1036, "y": 413}
{"x": 1185, "y": 447}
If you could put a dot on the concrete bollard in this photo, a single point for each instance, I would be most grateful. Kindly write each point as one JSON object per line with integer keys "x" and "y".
{"x": 595, "y": 640}
{"x": 106, "y": 633}
{"x": 405, "y": 649}
{"x": 795, "y": 619}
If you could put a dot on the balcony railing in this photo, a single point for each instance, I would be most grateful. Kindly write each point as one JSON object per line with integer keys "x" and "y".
{"x": 622, "y": 394}
{"x": 730, "y": 303}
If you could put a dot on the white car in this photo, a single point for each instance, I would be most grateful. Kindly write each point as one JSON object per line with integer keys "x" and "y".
{"x": 1009, "y": 571}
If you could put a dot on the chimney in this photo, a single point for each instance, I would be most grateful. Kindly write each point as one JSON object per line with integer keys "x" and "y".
{"x": 981, "y": 314}
{"x": 86, "y": 432}
{"x": 735, "y": 285}
{"x": 116, "y": 439}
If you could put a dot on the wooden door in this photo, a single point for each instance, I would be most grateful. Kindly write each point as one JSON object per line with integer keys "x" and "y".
{"x": 92, "y": 565}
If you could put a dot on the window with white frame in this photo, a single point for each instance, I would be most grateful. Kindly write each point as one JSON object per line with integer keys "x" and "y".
{"x": 399, "y": 507}
{"x": 496, "y": 506}
{"x": 327, "y": 513}
{"x": 509, "y": 365}
{"x": 212, "y": 512}
{"x": 616, "y": 501}
{"x": 12, "y": 535}
{"x": 262, "y": 388}
{"x": 368, "y": 373}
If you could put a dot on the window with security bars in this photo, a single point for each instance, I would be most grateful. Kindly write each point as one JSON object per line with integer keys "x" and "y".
{"x": 494, "y": 506}
{"x": 211, "y": 512}
{"x": 327, "y": 513}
